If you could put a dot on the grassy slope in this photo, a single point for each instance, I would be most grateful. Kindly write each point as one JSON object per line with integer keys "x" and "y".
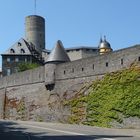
{"x": 116, "y": 96}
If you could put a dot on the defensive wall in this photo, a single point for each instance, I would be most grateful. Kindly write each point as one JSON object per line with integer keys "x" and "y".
{"x": 23, "y": 78}
{"x": 82, "y": 68}
{"x": 25, "y": 95}
{"x": 88, "y": 69}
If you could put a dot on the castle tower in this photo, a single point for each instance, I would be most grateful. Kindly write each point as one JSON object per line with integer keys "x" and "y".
{"x": 58, "y": 54}
{"x": 104, "y": 46}
{"x": 35, "y": 31}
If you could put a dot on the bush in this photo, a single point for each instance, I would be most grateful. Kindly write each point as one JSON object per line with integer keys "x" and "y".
{"x": 26, "y": 66}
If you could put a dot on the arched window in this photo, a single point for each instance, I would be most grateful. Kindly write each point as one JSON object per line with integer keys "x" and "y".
{"x": 19, "y": 44}
{"x": 12, "y": 51}
{"x": 22, "y": 51}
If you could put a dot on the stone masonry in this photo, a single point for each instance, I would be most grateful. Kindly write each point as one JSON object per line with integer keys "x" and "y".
{"x": 37, "y": 94}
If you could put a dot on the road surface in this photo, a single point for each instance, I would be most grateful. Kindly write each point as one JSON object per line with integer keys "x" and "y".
{"x": 19, "y": 130}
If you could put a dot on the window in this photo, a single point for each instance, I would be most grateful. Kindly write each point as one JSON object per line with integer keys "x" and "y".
{"x": 93, "y": 66}
{"x": 82, "y": 69}
{"x": 8, "y": 71}
{"x": 22, "y": 51}
{"x": 64, "y": 72}
{"x": 16, "y": 60}
{"x": 106, "y": 64}
{"x": 25, "y": 60}
{"x": 121, "y": 61}
{"x": 12, "y": 51}
{"x": 139, "y": 59}
{"x": 8, "y": 59}
{"x": 19, "y": 44}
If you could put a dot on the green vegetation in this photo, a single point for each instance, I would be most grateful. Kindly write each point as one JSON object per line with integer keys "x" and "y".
{"x": 26, "y": 66}
{"x": 21, "y": 110}
{"x": 114, "y": 97}
{"x": 39, "y": 119}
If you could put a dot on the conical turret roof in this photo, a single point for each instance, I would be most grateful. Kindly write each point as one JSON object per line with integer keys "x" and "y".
{"x": 58, "y": 54}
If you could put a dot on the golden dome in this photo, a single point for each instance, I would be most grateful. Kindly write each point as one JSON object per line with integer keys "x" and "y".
{"x": 104, "y": 46}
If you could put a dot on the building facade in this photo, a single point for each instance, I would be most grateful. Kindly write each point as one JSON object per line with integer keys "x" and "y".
{"x": 20, "y": 52}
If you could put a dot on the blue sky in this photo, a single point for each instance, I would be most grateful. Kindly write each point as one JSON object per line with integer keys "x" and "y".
{"x": 75, "y": 22}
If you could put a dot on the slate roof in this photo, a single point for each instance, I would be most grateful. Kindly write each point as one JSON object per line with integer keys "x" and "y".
{"x": 58, "y": 54}
{"x": 21, "y": 47}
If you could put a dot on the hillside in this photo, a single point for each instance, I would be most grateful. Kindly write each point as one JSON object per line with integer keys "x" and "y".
{"x": 109, "y": 100}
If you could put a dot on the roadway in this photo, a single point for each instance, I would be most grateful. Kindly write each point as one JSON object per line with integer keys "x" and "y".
{"x": 22, "y": 130}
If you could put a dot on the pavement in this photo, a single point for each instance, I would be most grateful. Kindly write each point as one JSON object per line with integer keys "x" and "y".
{"x": 25, "y": 130}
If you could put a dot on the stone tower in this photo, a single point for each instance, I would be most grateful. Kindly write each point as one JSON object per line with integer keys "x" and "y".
{"x": 35, "y": 31}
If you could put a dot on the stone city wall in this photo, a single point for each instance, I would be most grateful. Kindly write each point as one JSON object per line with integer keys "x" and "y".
{"x": 86, "y": 70}
{"x": 24, "y": 96}
{"x": 22, "y": 78}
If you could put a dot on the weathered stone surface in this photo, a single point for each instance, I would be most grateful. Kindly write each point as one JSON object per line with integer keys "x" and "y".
{"x": 128, "y": 123}
{"x": 24, "y": 96}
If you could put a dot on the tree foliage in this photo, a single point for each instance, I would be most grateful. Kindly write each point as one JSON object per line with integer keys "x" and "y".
{"x": 26, "y": 66}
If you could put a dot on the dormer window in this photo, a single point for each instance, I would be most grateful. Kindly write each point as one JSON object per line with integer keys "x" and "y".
{"x": 22, "y": 51}
{"x": 19, "y": 44}
{"x": 12, "y": 51}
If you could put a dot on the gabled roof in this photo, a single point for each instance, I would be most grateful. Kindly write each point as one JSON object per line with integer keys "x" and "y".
{"x": 58, "y": 54}
{"x": 20, "y": 47}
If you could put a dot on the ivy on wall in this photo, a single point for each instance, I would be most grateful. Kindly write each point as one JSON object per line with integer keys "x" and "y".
{"x": 114, "y": 97}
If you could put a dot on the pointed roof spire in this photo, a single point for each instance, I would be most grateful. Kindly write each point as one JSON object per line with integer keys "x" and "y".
{"x": 58, "y": 54}
{"x": 101, "y": 40}
{"x": 104, "y": 38}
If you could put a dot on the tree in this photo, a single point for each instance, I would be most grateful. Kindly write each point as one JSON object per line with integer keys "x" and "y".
{"x": 26, "y": 66}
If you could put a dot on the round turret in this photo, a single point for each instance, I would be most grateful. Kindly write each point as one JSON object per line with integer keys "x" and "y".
{"x": 58, "y": 54}
{"x": 35, "y": 31}
{"x": 104, "y": 46}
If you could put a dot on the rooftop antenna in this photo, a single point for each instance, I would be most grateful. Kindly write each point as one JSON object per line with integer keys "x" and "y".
{"x": 35, "y": 6}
